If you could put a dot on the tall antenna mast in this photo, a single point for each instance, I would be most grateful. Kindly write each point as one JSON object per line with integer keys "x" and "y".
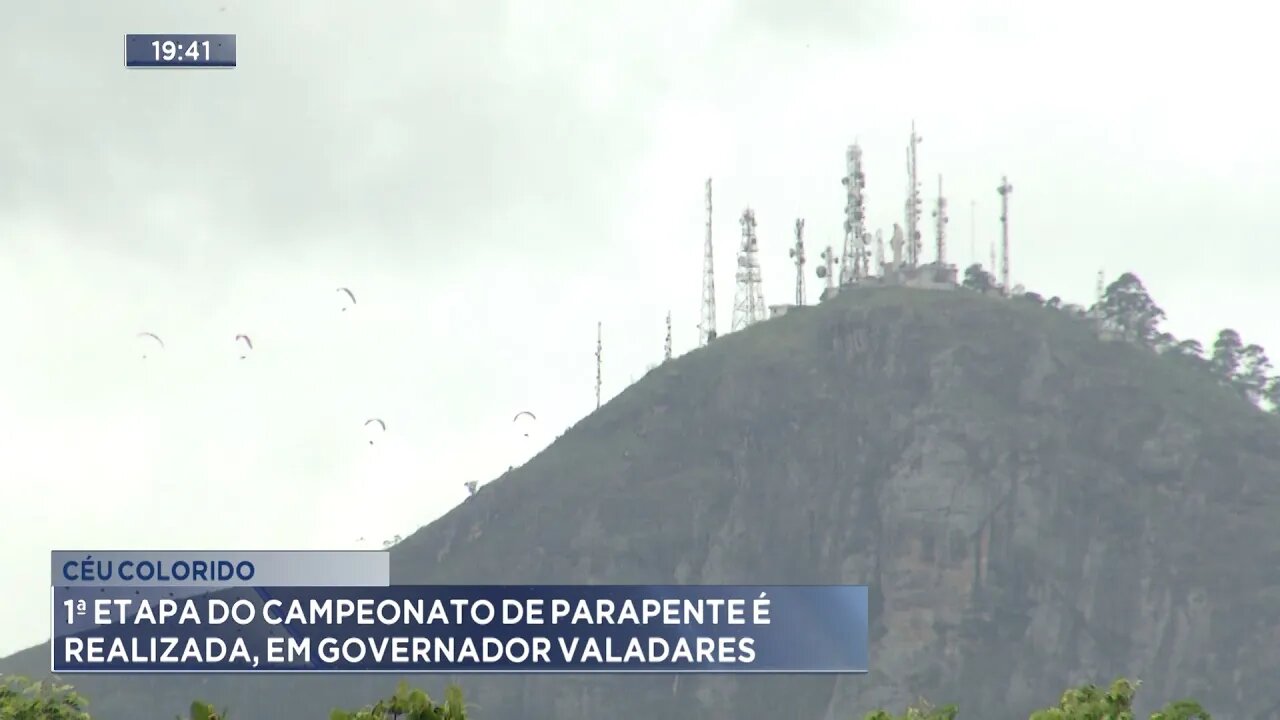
{"x": 880, "y": 251}
{"x": 599, "y": 348}
{"x": 667, "y": 348}
{"x": 1004, "y": 190}
{"x": 940, "y": 223}
{"x": 855, "y": 182}
{"x": 1101, "y": 289}
{"x": 973, "y": 232}
{"x": 828, "y": 270}
{"x": 707, "y": 328}
{"x": 748, "y": 306}
{"x": 913, "y": 201}
{"x": 797, "y": 253}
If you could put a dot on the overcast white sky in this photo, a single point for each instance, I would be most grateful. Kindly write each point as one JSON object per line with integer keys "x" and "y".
{"x": 493, "y": 177}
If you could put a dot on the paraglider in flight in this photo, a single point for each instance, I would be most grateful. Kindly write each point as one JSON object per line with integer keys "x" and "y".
{"x": 348, "y": 294}
{"x": 153, "y": 336}
{"x": 471, "y": 487}
{"x": 246, "y": 340}
{"x": 521, "y": 414}
{"x": 381, "y": 424}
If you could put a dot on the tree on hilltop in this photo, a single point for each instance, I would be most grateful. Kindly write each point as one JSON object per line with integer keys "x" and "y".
{"x": 1272, "y": 394}
{"x": 1225, "y": 359}
{"x": 1244, "y": 368}
{"x": 1128, "y": 308}
{"x": 1254, "y": 379}
{"x": 975, "y": 278}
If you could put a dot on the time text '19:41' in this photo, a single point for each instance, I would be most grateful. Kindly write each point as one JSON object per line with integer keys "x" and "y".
{"x": 180, "y": 51}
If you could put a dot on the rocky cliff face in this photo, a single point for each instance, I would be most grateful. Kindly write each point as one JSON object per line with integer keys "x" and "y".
{"x": 1030, "y": 507}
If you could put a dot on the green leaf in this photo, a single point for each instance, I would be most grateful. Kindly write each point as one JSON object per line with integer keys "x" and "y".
{"x": 201, "y": 711}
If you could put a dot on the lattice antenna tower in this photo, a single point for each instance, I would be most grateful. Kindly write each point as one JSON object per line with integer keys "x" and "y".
{"x": 1101, "y": 289}
{"x": 940, "y": 221}
{"x": 853, "y": 261}
{"x": 914, "y": 204}
{"x": 797, "y": 254}
{"x": 707, "y": 326}
{"x": 666, "y": 350}
{"x": 1005, "y": 189}
{"x": 599, "y": 356}
{"x": 827, "y": 269}
{"x": 748, "y": 306}
{"x": 880, "y": 251}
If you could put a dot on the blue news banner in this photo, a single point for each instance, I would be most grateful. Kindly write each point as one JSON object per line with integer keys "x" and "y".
{"x": 252, "y": 612}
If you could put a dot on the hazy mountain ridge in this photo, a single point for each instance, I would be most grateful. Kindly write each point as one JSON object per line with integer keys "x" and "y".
{"x": 1031, "y": 507}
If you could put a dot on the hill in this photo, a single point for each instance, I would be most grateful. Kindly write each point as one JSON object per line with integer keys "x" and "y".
{"x": 1031, "y": 507}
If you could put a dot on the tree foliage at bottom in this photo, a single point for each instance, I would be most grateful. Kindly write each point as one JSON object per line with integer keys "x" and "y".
{"x": 1088, "y": 702}
{"x": 21, "y": 699}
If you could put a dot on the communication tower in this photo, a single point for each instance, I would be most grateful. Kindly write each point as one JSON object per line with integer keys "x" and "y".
{"x": 827, "y": 271}
{"x": 707, "y": 327}
{"x": 913, "y": 236}
{"x": 748, "y": 306}
{"x": 1005, "y": 189}
{"x": 1101, "y": 290}
{"x": 896, "y": 244}
{"x": 797, "y": 253}
{"x": 854, "y": 261}
{"x": 880, "y": 251}
{"x": 940, "y": 224}
{"x": 666, "y": 354}
{"x": 599, "y": 348}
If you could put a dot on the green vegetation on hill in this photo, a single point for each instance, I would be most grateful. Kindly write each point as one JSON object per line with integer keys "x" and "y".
{"x": 1127, "y": 312}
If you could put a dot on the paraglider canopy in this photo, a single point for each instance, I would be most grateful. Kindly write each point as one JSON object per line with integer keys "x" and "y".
{"x": 246, "y": 340}
{"x": 152, "y": 338}
{"x": 378, "y": 422}
{"x": 349, "y": 294}
{"x": 524, "y": 413}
